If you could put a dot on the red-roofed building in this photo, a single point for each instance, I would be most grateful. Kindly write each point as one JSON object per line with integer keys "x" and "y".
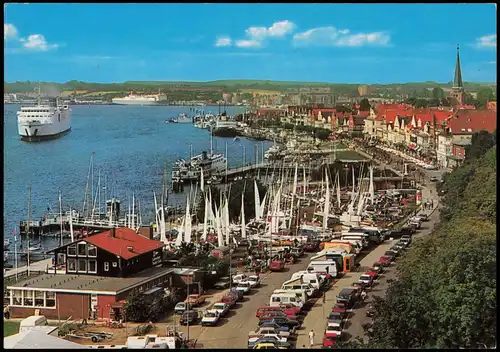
{"x": 467, "y": 122}
{"x": 117, "y": 253}
{"x": 465, "y": 107}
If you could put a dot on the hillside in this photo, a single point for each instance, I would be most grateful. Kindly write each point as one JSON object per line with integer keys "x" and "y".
{"x": 226, "y": 85}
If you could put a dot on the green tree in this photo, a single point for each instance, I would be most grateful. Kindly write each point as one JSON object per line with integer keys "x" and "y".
{"x": 139, "y": 308}
{"x": 364, "y": 105}
{"x": 480, "y": 144}
{"x": 438, "y": 93}
{"x": 484, "y": 95}
{"x": 421, "y": 103}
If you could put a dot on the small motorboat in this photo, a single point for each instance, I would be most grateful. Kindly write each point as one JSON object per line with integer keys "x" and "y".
{"x": 236, "y": 139}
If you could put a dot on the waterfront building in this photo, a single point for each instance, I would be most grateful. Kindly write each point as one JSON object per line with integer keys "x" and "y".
{"x": 92, "y": 277}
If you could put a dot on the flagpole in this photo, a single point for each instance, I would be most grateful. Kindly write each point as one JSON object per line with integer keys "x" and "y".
{"x": 15, "y": 251}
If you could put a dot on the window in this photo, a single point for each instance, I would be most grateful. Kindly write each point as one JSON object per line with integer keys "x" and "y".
{"x": 39, "y": 298}
{"x": 115, "y": 264}
{"x": 276, "y": 299}
{"x": 50, "y": 299}
{"x": 93, "y": 266}
{"x": 72, "y": 250}
{"x": 28, "y": 298}
{"x": 71, "y": 265}
{"x": 17, "y": 297}
{"x": 82, "y": 265}
{"x": 106, "y": 266}
{"x": 92, "y": 250}
{"x": 82, "y": 248}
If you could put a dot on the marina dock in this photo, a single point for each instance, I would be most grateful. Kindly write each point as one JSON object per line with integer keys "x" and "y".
{"x": 38, "y": 266}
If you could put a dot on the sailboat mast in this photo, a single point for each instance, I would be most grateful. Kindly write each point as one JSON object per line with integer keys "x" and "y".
{"x": 60, "y": 216}
{"x": 28, "y": 228}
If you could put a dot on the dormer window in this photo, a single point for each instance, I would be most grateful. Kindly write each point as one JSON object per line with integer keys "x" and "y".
{"x": 463, "y": 129}
{"x": 469, "y": 130}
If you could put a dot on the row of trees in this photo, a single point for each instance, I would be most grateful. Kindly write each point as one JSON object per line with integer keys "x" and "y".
{"x": 437, "y": 97}
{"x": 445, "y": 292}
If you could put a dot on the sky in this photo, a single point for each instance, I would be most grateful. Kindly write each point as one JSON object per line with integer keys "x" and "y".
{"x": 335, "y": 43}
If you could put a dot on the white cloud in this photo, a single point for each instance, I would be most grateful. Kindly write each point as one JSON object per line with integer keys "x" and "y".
{"x": 37, "y": 42}
{"x": 331, "y": 36}
{"x": 492, "y": 62}
{"x": 9, "y": 31}
{"x": 277, "y": 29}
{"x": 248, "y": 43}
{"x": 223, "y": 41}
{"x": 487, "y": 41}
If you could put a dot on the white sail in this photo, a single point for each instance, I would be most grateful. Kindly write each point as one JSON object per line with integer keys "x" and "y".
{"x": 326, "y": 210}
{"x": 294, "y": 192}
{"x": 262, "y": 206}
{"x": 127, "y": 223}
{"x": 372, "y": 188}
{"x": 220, "y": 239}
{"x": 226, "y": 220}
{"x": 257, "y": 201}
{"x": 178, "y": 240}
{"x": 205, "y": 220}
{"x": 242, "y": 216}
{"x": 187, "y": 224}
{"x": 353, "y": 180}
{"x": 360, "y": 205}
{"x": 157, "y": 215}
{"x": 202, "y": 181}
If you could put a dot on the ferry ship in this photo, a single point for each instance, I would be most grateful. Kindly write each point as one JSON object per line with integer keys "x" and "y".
{"x": 187, "y": 170}
{"x": 132, "y": 99}
{"x": 43, "y": 121}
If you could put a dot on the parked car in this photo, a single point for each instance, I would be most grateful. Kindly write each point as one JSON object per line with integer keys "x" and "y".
{"x": 254, "y": 281}
{"x": 236, "y": 294}
{"x": 377, "y": 267}
{"x": 268, "y": 346}
{"x": 311, "y": 246}
{"x": 240, "y": 277}
{"x": 190, "y": 317}
{"x": 362, "y": 285}
{"x": 385, "y": 260}
{"x": 282, "y": 321}
{"x": 229, "y": 300}
{"x": 223, "y": 283}
{"x": 329, "y": 341}
{"x": 277, "y": 265}
{"x": 339, "y": 309}
{"x": 334, "y": 330}
{"x": 433, "y": 179}
{"x": 222, "y": 308}
{"x": 276, "y": 313}
{"x": 366, "y": 279}
{"x": 268, "y": 330}
{"x": 244, "y": 286}
{"x": 390, "y": 255}
{"x": 195, "y": 300}
{"x": 347, "y": 296}
{"x": 181, "y": 307}
{"x": 210, "y": 318}
{"x": 298, "y": 251}
{"x": 275, "y": 339}
{"x": 273, "y": 325}
{"x": 336, "y": 318}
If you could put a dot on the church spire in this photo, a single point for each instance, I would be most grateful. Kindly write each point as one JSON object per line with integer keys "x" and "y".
{"x": 457, "y": 80}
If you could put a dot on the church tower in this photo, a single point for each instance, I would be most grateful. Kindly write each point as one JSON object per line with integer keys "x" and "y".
{"x": 458, "y": 86}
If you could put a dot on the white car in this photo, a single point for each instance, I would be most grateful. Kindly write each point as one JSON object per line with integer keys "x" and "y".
{"x": 333, "y": 329}
{"x": 366, "y": 279}
{"x": 254, "y": 280}
{"x": 276, "y": 337}
{"x": 210, "y": 318}
{"x": 239, "y": 278}
{"x": 244, "y": 286}
{"x": 220, "y": 307}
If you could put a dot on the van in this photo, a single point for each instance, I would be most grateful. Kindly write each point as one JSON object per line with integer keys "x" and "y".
{"x": 328, "y": 266}
{"x": 300, "y": 294}
{"x": 285, "y": 298}
{"x": 357, "y": 237}
{"x": 344, "y": 260}
{"x": 310, "y": 278}
{"x": 298, "y": 284}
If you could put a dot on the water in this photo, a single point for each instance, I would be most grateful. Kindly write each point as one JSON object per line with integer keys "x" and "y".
{"x": 131, "y": 142}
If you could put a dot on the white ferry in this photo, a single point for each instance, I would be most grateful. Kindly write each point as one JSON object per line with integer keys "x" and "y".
{"x": 43, "y": 121}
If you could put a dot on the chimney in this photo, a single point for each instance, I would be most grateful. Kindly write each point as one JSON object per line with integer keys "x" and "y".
{"x": 113, "y": 232}
{"x": 130, "y": 248}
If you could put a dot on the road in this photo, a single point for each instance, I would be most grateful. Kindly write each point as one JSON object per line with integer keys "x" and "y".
{"x": 232, "y": 331}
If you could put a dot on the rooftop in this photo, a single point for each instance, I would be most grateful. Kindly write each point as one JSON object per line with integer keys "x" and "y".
{"x": 89, "y": 283}
{"x": 32, "y": 339}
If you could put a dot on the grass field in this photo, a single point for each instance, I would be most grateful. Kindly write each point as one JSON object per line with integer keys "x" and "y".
{"x": 350, "y": 155}
{"x": 10, "y": 328}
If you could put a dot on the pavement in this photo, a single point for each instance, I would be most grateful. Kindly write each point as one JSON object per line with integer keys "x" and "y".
{"x": 41, "y": 265}
{"x": 232, "y": 330}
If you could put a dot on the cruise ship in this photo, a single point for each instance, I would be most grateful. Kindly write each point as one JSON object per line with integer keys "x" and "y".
{"x": 132, "y": 99}
{"x": 43, "y": 121}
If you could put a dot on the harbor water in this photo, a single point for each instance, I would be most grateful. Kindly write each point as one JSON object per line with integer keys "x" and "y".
{"x": 132, "y": 145}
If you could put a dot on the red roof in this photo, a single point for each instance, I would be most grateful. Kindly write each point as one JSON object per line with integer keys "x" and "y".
{"x": 475, "y": 120}
{"x": 124, "y": 238}
{"x": 442, "y": 115}
{"x": 469, "y": 107}
{"x": 424, "y": 117}
{"x": 390, "y": 115}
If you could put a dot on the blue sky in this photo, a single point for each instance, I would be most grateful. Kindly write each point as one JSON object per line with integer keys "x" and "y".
{"x": 338, "y": 43}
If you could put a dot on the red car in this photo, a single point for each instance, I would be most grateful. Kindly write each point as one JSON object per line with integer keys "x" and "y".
{"x": 329, "y": 341}
{"x": 290, "y": 308}
{"x": 277, "y": 265}
{"x": 228, "y": 300}
{"x": 262, "y": 311}
{"x": 273, "y": 313}
{"x": 384, "y": 260}
{"x": 373, "y": 274}
{"x": 340, "y": 309}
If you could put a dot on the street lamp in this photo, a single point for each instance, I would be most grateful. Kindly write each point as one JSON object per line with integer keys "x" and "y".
{"x": 244, "y": 152}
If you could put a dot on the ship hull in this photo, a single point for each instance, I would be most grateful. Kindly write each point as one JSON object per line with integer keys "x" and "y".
{"x": 41, "y": 138}
{"x": 134, "y": 102}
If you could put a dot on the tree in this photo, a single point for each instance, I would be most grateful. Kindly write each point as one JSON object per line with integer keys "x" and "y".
{"x": 139, "y": 308}
{"x": 438, "y": 93}
{"x": 421, "y": 103}
{"x": 364, "y": 105}
{"x": 484, "y": 95}
{"x": 480, "y": 144}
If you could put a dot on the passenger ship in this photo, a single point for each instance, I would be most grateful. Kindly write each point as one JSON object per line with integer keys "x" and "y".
{"x": 187, "y": 170}
{"x": 43, "y": 121}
